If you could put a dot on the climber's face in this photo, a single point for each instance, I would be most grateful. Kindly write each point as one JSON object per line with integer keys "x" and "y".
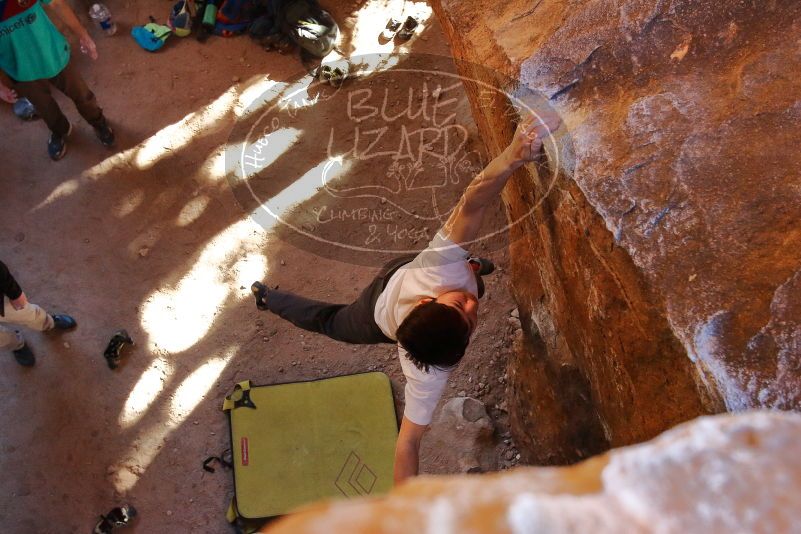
{"x": 463, "y": 302}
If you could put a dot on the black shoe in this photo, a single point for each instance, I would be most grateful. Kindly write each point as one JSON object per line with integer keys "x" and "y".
{"x": 260, "y": 292}
{"x": 57, "y": 145}
{"x": 63, "y": 322}
{"x": 105, "y": 134}
{"x": 24, "y": 356}
{"x": 485, "y": 266}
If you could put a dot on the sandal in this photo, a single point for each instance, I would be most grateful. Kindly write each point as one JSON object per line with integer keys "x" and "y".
{"x": 408, "y": 28}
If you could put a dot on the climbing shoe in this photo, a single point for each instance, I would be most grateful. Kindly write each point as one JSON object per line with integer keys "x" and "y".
{"x": 260, "y": 293}
{"x": 113, "y": 352}
{"x": 24, "y": 356}
{"x": 63, "y": 322}
{"x": 117, "y": 517}
{"x": 409, "y": 27}
{"x": 482, "y": 266}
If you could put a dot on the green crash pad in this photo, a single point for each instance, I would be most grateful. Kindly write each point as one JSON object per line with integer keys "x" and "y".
{"x": 293, "y": 444}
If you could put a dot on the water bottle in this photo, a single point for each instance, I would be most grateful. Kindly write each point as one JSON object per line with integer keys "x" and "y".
{"x": 102, "y": 16}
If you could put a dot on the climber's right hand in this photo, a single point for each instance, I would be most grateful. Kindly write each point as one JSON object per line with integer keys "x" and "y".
{"x": 527, "y": 140}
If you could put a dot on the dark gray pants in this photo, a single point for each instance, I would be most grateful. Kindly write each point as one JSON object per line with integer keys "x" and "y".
{"x": 351, "y": 323}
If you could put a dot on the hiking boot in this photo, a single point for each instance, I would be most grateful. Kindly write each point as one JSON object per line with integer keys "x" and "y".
{"x": 63, "y": 322}
{"x": 105, "y": 134}
{"x": 57, "y": 145}
{"x": 24, "y": 356}
{"x": 260, "y": 292}
{"x": 482, "y": 266}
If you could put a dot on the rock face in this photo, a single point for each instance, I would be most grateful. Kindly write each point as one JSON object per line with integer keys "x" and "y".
{"x": 658, "y": 274}
{"x": 729, "y": 473}
{"x": 460, "y": 438}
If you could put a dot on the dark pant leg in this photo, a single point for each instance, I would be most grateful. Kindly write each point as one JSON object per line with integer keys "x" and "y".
{"x": 352, "y": 323}
{"x": 38, "y": 92}
{"x": 70, "y": 82}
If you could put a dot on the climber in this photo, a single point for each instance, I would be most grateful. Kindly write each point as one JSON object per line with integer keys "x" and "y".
{"x": 427, "y": 304}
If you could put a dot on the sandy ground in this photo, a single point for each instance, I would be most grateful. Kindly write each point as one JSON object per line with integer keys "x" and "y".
{"x": 155, "y": 236}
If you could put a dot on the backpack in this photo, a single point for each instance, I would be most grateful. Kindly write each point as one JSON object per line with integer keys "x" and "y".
{"x": 151, "y": 36}
{"x": 181, "y": 18}
{"x": 234, "y": 17}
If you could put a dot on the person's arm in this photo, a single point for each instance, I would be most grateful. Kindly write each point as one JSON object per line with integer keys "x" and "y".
{"x": 407, "y": 450}
{"x": 465, "y": 221}
{"x": 7, "y": 94}
{"x": 67, "y": 15}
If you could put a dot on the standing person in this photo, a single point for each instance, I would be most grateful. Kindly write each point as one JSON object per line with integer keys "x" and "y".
{"x": 428, "y": 306}
{"x": 16, "y": 310}
{"x": 35, "y": 55}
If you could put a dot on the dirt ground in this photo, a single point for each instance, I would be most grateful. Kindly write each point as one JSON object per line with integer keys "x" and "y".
{"x": 155, "y": 236}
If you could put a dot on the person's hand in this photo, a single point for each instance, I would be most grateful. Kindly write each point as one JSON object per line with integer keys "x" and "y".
{"x": 19, "y": 302}
{"x": 527, "y": 140}
{"x": 88, "y": 46}
{"x": 7, "y": 94}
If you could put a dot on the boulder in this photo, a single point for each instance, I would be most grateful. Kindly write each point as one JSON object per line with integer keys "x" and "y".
{"x": 459, "y": 439}
{"x": 656, "y": 254}
{"x": 728, "y": 473}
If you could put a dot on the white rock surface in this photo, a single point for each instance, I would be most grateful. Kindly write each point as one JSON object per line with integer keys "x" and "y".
{"x": 727, "y": 473}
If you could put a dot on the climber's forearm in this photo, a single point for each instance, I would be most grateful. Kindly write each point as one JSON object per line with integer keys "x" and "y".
{"x": 407, "y": 450}
{"x": 465, "y": 221}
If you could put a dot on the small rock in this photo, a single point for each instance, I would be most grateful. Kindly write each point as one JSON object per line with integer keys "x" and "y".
{"x": 66, "y": 345}
{"x": 517, "y": 457}
{"x": 195, "y": 422}
{"x": 235, "y": 79}
{"x": 294, "y": 363}
{"x": 283, "y": 262}
{"x": 280, "y": 369}
{"x": 509, "y": 454}
{"x": 144, "y": 251}
{"x": 515, "y": 313}
{"x": 462, "y": 393}
{"x": 169, "y": 513}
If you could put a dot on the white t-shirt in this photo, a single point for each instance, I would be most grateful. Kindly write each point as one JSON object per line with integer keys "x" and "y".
{"x": 440, "y": 268}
